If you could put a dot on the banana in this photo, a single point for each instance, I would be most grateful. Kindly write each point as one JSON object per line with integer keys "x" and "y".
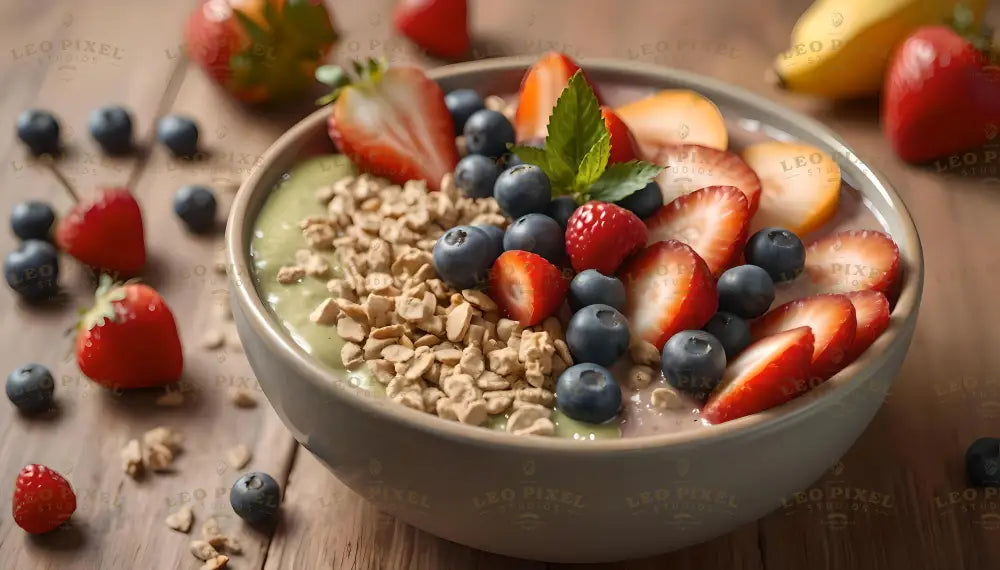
{"x": 840, "y": 48}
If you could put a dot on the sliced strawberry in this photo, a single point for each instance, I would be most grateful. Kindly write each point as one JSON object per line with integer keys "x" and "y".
{"x": 669, "y": 289}
{"x": 690, "y": 167}
{"x": 767, "y": 373}
{"x": 872, "y": 311}
{"x": 540, "y": 88}
{"x": 600, "y": 236}
{"x": 527, "y": 287}
{"x": 854, "y": 260}
{"x": 675, "y": 116}
{"x": 833, "y": 324}
{"x": 713, "y": 221}
{"x": 623, "y": 145}
{"x": 439, "y": 26}
{"x": 394, "y": 123}
{"x": 105, "y": 233}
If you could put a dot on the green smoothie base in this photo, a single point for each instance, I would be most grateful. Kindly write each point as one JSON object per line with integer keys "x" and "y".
{"x": 277, "y": 237}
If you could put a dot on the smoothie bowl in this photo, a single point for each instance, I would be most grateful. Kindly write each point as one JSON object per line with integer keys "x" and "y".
{"x": 668, "y": 369}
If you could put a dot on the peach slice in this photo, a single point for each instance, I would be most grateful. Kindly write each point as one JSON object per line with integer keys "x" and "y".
{"x": 674, "y": 116}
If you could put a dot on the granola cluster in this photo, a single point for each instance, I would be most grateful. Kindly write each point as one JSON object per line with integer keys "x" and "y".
{"x": 434, "y": 348}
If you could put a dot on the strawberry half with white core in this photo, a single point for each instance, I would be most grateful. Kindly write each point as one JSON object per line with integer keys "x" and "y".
{"x": 668, "y": 289}
{"x": 767, "y": 373}
{"x": 539, "y": 91}
{"x": 691, "y": 166}
{"x": 527, "y": 287}
{"x": 674, "y": 116}
{"x": 833, "y": 324}
{"x": 871, "y": 309}
{"x": 392, "y": 122}
{"x": 713, "y": 221}
{"x": 800, "y": 186}
{"x": 854, "y": 260}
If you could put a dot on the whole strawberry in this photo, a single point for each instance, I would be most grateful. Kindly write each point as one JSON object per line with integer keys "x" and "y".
{"x": 260, "y": 50}
{"x": 601, "y": 236}
{"x": 105, "y": 233}
{"x": 129, "y": 338}
{"x": 439, "y": 26}
{"x": 42, "y": 500}
{"x": 942, "y": 94}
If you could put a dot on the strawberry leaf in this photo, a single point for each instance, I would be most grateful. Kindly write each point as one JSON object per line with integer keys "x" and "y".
{"x": 575, "y": 124}
{"x": 257, "y": 34}
{"x": 332, "y": 75}
{"x": 622, "y": 179}
{"x": 593, "y": 163}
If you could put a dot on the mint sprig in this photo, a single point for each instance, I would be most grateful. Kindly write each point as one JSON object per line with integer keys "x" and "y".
{"x": 577, "y": 149}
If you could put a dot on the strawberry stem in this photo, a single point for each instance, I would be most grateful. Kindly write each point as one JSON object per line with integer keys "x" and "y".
{"x": 63, "y": 181}
{"x": 963, "y": 21}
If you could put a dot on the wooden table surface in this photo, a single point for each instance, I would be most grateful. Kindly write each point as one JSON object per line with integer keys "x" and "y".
{"x": 74, "y": 55}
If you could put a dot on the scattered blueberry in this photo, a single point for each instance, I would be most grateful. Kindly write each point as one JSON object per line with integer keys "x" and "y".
{"x": 462, "y": 103}
{"x": 32, "y": 220}
{"x": 588, "y": 392}
{"x": 745, "y": 290}
{"x": 475, "y": 176}
{"x": 464, "y": 255}
{"x": 778, "y": 251}
{"x": 591, "y": 287}
{"x": 561, "y": 208}
{"x": 731, "y": 331}
{"x": 982, "y": 462}
{"x": 495, "y": 234}
{"x": 539, "y": 234}
{"x": 488, "y": 132}
{"x": 644, "y": 202}
{"x": 693, "y": 361}
{"x": 195, "y": 206}
{"x": 598, "y": 334}
{"x": 32, "y": 270}
{"x": 111, "y": 127}
{"x": 521, "y": 190}
{"x": 179, "y": 134}
{"x": 255, "y": 497}
{"x": 39, "y": 130}
{"x": 30, "y": 388}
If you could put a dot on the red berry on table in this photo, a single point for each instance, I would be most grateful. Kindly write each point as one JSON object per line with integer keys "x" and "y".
{"x": 105, "y": 232}
{"x": 871, "y": 309}
{"x": 691, "y": 166}
{"x": 768, "y": 373}
{"x": 854, "y": 260}
{"x": 668, "y": 289}
{"x": 377, "y": 118}
{"x": 713, "y": 221}
{"x": 527, "y": 287}
{"x": 129, "y": 338}
{"x": 623, "y": 145}
{"x": 601, "y": 236}
{"x": 439, "y": 26}
{"x": 833, "y": 323}
{"x": 540, "y": 89}
{"x": 42, "y": 500}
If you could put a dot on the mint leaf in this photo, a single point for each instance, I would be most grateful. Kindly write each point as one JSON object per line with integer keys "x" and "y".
{"x": 575, "y": 124}
{"x": 593, "y": 163}
{"x": 620, "y": 180}
{"x": 560, "y": 175}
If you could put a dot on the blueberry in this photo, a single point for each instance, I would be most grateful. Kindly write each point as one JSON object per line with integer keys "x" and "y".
{"x": 588, "y": 393}
{"x": 693, "y": 361}
{"x": 255, "y": 497}
{"x": 195, "y": 206}
{"x": 30, "y": 388}
{"x": 731, "y": 331}
{"x": 982, "y": 462}
{"x": 495, "y": 234}
{"x": 591, "y": 287}
{"x": 778, "y": 251}
{"x": 745, "y": 290}
{"x": 462, "y": 103}
{"x": 561, "y": 208}
{"x": 464, "y": 255}
{"x": 111, "y": 127}
{"x": 521, "y": 190}
{"x": 644, "y": 202}
{"x": 539, "y": 234}
{"x": 32, "y": 220}
{"x": 475, "y": 176}
{"x": 510, "y": 160}
{"x": 488, "y": 132}
{"x": 179, "y": 134}
{"x": 598, "y": 334}
{"x": 39, "y": 130}
{"x": 32, "y": 270}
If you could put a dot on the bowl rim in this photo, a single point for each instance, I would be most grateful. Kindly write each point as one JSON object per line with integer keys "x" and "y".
{"x": 260, "y": 319}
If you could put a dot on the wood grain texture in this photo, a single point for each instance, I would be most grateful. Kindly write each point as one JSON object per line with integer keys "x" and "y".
{"x": 899, "y": 499}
